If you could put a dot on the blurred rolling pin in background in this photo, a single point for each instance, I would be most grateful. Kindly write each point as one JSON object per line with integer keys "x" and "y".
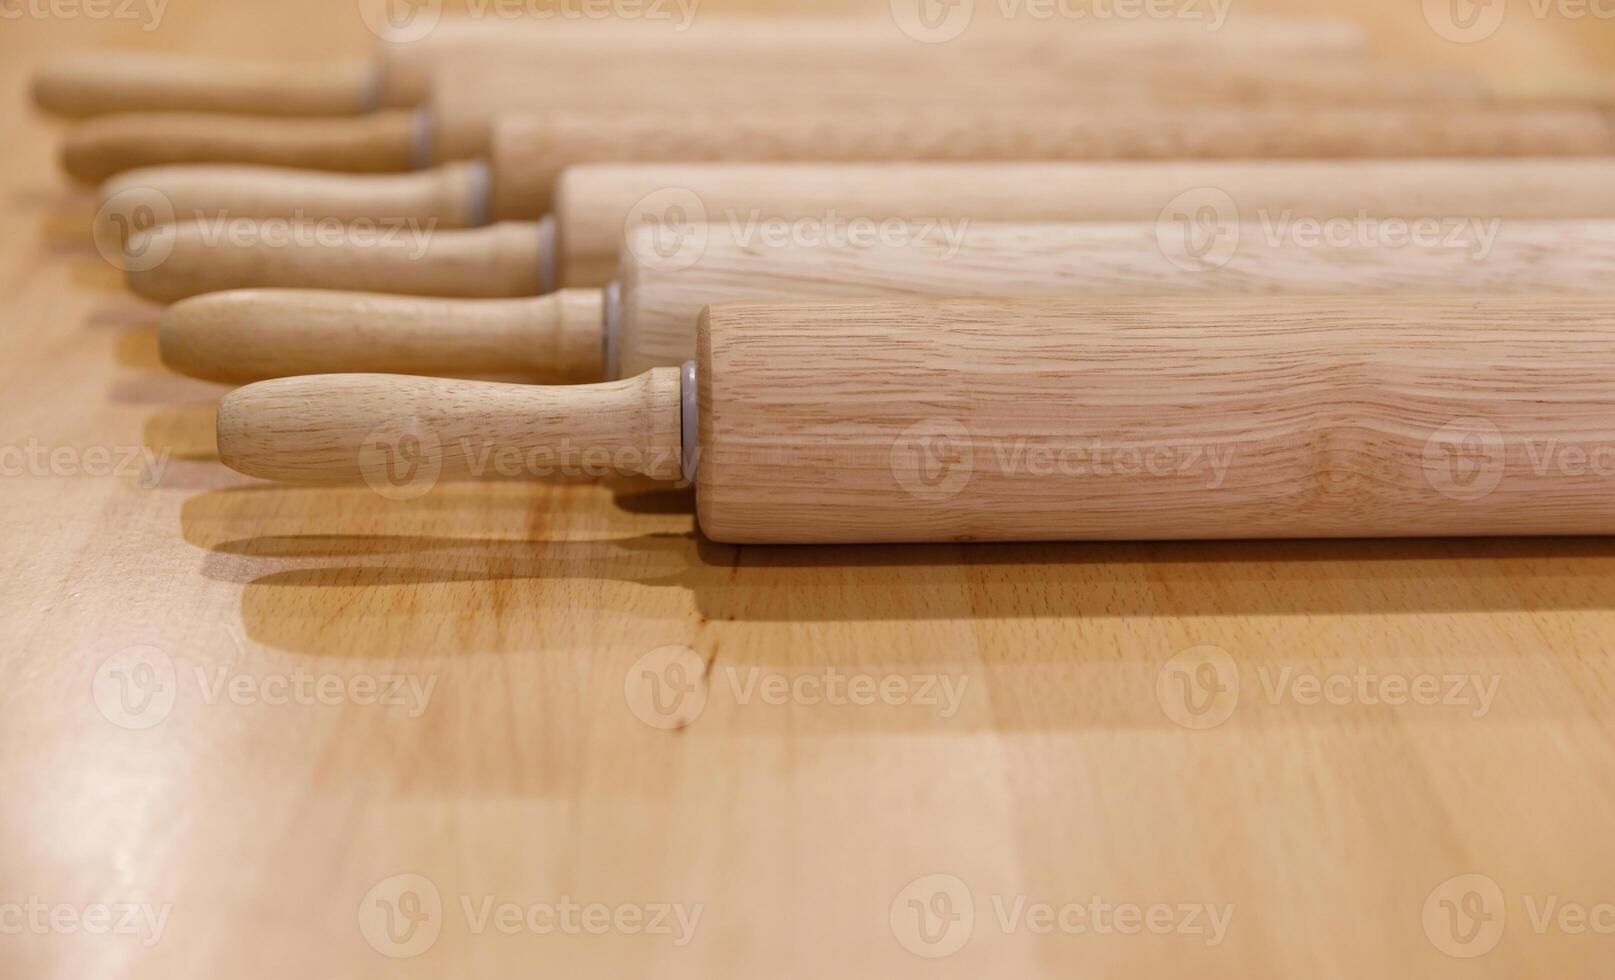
{"x": 470, "y": 99}
{"x": 528, "y": 153}
{"x": 598, "y": 204}
{"x": 647, "y": 319}
{"x": 976, "y": 420}
{"x": 573, "y": 50}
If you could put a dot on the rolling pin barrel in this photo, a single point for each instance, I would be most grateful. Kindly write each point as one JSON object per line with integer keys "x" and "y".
{"x": 983, "y": 420}
{"x": 1221, "y": 417}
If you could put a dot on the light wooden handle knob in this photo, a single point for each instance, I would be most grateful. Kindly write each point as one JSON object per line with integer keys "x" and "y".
{"x": 380, "y": 142}
{"x": 383, "y": 428}
{"x": 451, "y": 196}
{"x": 92, "y": 84}
{"x": 256, "y": 334}
{"x": 191, "y": 258}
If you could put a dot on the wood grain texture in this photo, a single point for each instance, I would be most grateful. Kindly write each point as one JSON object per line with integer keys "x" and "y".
{"x": 660, "y": 305}
{"x": 1171, "y": 418}
{"x": 348, "y": 428}
{"x": 98, "y": 148}
{"x": 1062, "y": 772}
{"x": 254, "y": 335}
{"x": 195, "y": 257}
{"x": 596, "y": 204}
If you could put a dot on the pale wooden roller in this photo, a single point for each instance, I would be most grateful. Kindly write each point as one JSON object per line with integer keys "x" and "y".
{"x": 598, "y": 204}
{"x": 577, "y": 335}
{"x": 549, "y": 52}
{"x": 975, "y": 420}
{"x": 528, "y": 152}
{"x": 471, "y": 95}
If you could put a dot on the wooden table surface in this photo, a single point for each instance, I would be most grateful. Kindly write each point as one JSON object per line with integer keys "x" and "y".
{"x": 545, "y": 729}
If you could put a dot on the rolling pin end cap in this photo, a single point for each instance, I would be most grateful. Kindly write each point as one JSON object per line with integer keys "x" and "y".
{"x": 479, "y": 191}
{"x": 689, "y": 422}
{"x": 611, "y": 322}
{"x": 422, "y": 126}
{"x": 546, "y": 255}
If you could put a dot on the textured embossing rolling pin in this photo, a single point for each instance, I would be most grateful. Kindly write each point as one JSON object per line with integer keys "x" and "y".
{"x": 648, "y": 318}
{"x": 597, "y": 204}
{"x": 980, "y": 420}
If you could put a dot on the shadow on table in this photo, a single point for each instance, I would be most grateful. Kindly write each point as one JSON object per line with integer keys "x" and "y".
{"x": 531, "y": 543}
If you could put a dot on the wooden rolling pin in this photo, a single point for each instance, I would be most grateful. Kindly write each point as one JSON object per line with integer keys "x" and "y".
{"x": 980, "y": 420}
{"x": 527, "y": 153}
{"x": 598, "y": 204}
{"x": 681, "y": 107}
{"x": 551, "y": 51}
{"x": 648, "y": 318}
